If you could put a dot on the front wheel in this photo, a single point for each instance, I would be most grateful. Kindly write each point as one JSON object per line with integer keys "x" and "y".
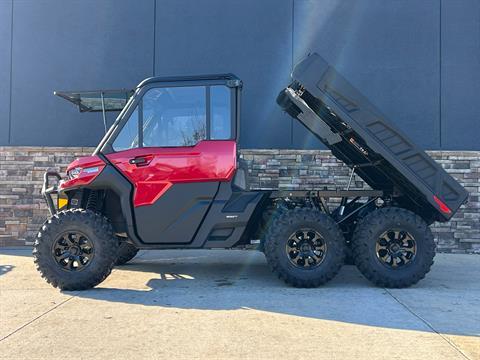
{"x": 393, "y": 247}
{"x": 304, "y": 247}
{"x": 75, "y": 249}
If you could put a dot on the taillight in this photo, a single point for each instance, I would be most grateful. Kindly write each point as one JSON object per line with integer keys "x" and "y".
{"x": 443, "y": 208}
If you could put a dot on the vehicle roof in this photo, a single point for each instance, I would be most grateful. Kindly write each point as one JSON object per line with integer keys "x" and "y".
{"x": 188, "y": 78}
{"x": 115, "y": 99}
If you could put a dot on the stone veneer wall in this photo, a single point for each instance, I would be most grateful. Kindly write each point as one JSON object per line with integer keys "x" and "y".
{"x": 22, "y": 209}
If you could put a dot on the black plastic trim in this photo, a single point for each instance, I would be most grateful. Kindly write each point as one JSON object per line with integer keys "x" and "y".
{"x": 111, "y": 179}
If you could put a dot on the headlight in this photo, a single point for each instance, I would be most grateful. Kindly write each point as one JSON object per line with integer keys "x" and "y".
{"x": 75, "y": 172}
{"x": 72, "y": 174}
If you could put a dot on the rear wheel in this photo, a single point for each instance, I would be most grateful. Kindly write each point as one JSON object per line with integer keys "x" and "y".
{"x": 126, "y": 252}
{"x": 75, "y": 249}
{"x": 304, "y": 247}
{"x": 393, "y": 247}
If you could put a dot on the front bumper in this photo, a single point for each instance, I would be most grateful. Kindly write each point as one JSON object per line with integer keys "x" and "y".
{"x": 48, "y": 191}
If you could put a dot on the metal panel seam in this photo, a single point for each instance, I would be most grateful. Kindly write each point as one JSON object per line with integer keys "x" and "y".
{"x": 11, "y": 77}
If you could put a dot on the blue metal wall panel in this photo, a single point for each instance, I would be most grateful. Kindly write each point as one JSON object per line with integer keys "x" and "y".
{"x": 393, "y": 51}
{"x": 388, "y": 49}
{"x": 252, "y": 39}
{"x": 460, "y": 74}
{"x": 74, "y": 45}
{"x": 5, "y": 53}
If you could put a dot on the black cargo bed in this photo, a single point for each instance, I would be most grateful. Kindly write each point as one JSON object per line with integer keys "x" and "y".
{"x": 361, "y": 136}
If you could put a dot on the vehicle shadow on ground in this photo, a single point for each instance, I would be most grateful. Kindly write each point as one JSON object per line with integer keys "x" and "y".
{"x": 5, "y": 269}
{"x": 247, "y": 283}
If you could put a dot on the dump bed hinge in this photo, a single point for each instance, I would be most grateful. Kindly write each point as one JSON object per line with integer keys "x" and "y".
{"x": 312, "y": 121}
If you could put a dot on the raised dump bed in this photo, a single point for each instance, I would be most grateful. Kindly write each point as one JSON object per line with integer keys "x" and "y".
{"x": 361, "y": 136}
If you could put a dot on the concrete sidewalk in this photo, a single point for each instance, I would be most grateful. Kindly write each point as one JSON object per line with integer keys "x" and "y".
{"x": 227, "y": 304}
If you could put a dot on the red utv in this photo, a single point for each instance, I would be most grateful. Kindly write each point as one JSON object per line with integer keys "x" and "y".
{"x": 167, "y": 176}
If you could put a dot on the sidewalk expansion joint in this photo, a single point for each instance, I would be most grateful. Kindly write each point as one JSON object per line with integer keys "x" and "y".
{"x": 430, "y": 326}
{"x": 36, "y": 318}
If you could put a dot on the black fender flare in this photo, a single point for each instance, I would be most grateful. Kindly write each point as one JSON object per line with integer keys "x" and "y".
{"x": 111, "y": 179}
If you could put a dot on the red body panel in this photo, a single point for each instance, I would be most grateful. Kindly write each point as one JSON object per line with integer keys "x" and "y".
{"x": 85, "y": 177}
{"x": 209, "y": 160}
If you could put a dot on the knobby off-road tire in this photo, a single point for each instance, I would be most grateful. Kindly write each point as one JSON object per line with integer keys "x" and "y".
{"x": 279, "y": 236}
{"x": 365, "y": 250}
{"x": 55, "y": 239}
{"x": 126, "y": 252}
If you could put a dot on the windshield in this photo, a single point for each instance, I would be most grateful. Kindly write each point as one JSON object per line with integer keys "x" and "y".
{"x": 97, "y": 100}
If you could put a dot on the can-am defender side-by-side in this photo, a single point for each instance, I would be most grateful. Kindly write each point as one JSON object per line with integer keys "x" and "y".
{"x": 166, "y": 176}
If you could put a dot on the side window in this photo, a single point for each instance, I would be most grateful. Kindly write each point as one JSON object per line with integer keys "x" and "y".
{"x": 174, "y": 116}
{"x": 177, "y": 116}
{"x": 128, "y": 137}
{"x": 221, "y": 116}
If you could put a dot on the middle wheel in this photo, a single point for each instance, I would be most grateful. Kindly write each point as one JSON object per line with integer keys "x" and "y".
{"x": 304, "y": 247}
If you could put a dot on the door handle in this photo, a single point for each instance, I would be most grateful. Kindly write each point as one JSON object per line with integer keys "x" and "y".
{"x": 140, "y": 160}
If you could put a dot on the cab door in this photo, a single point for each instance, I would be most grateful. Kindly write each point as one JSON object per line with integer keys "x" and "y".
{"x": 176, "y": 148}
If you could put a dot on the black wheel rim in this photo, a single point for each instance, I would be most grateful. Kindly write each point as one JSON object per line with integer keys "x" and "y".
{"x": 396, "y": 248}
{"x": 306, "y": 248}
{"x": 73, "y": 251}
